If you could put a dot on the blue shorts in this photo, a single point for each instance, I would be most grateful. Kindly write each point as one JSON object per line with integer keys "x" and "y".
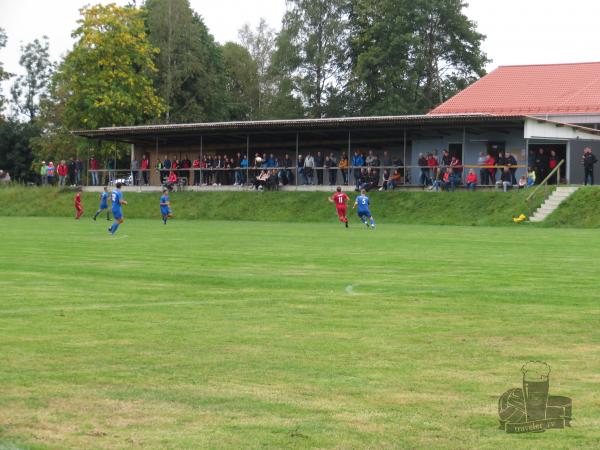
{"x": 164, "y": 210}
{"x": 103, "y": 206}
{"x": 364, "y": 213}
{"x": 117, "y": 214}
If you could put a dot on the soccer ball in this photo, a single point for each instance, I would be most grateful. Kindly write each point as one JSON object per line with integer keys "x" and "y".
{"x": 511, "y": 406}
{"x": 258, "y": 160}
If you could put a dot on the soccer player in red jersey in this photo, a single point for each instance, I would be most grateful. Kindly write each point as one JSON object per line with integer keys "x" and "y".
{"x": 78, "y": 206}
{"x": 341, "y": 204}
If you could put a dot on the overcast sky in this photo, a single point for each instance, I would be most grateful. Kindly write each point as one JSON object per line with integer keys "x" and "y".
{"x": 518, "y": 31}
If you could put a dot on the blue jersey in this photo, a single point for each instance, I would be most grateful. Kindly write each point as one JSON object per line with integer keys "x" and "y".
{"x": 116, "y": 198}
{"x": 104, "y": 200}
{"x": 164, "y": 208}
{"x": 363, "y": 203}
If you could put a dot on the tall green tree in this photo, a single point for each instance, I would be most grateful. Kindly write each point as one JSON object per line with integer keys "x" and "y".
{"x": 106, "y": 80}
{"x": 30, "y": 88}
{"x": 410, "y": 55}
{"x": 242, "y": 82}
{"x": 312, "y": 49}
{"x": 190, "y": 75}
{"x": 3, "y": 74}
{"x": 16, "y": 154}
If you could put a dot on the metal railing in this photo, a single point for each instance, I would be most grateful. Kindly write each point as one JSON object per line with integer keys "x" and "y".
{"x": 544, "y": 184}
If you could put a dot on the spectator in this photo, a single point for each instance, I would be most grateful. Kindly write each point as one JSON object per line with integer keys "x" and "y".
{"x": 94, "y": 166}
{"x": 370, "y": 161}
{"x": 483, "y": 172}
{"x": 357, "y": 163}
{"x": 79, "y": 168}
{"x": 217, "y": 164}
{"x": 386, "y": 161}
{"x": 111, "y": 165}
{"x": 62, "y": 171}
{"x": 343, "y": 165}
{"x": 272, "y": 181}
{"x": 145, "y": 168}
{"x": 244, "y": 169}
{"x": 135, "y": 169}
{"x": 531, "y": 176}
{"x": 186, "y": 165}
{"x": 423, "y": 163}
{"x": 385, "y": 180}
{"x": 456, "y": 167}
{"x": 437, "y": 180}
{"x": 261, "y": 180}
{"x": 505, "y": 180}
{"x": 362, "y": 179}
{"x": 328, "y": 164}
{"x": 432, "y": 162}
{"x": 319, "y": 168}
{"x": 588, "y": 160}
{"x": 300, "y": 170}
{"x": 159, "y": 170}
{"x": 501, "y": 159}
{"x": 371, "y": 180}
{"x": 4, "y": 178}
{"x": 286, "y": 175}
{"x": 490, "y": 162}
{"x": 309, "y": 167}
{"x": 72, "y": 171}
{"x": 451, "y": 179}
{"x": 445, "y": 162}
{"x": 522, "y": 182}
{"x": 172, "y": 179}
{"x": 51, "y": 173}
{"x": 395, "y": 180}
{"x": 552, "y": 163}
{"x": 471, "y": 180}
{"x": 166, "y": 168}
{"x": 44, "y": 173}
{"x": 541, "y": 164}
{"x": 512, "y": 163}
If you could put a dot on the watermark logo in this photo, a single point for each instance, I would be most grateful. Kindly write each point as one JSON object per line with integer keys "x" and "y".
{"x": 531, "y": 409}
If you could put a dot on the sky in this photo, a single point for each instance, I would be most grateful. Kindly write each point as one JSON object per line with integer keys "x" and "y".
{"x": 518, "y": 31}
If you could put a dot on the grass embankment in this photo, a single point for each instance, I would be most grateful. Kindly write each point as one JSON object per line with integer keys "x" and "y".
{"x": 443, "y": 208}
{"x": 268, "y": 335}
{"x": 581, "y": 210}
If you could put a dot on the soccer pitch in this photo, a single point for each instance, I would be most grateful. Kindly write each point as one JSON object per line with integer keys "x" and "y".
{"x": 273, "y": 335}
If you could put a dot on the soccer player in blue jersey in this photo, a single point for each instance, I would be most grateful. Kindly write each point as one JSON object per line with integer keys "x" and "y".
{"x": 165, "y": 206}
{"x": 103, "y": 204}
{"x": 362, "y": 201}
{"x": 117, "y": 201}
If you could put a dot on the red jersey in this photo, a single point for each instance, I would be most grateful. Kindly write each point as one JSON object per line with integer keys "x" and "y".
{"x": 340, "y": 199}
{"x": 78, "y": 199}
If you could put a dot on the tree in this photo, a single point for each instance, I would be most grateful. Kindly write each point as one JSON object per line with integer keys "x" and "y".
{"x": 409, "y": 55}
{"x": 30, "y": 88}
{"x": 190, "y": 75}
{"x": 3, "y": 74}
{"x": 260, "y": 44}
{"x": 312, "y": 48}
{"x": 106, "y": 79}
{"x": 242, "y": 85}
{"x": 16, "y": 155}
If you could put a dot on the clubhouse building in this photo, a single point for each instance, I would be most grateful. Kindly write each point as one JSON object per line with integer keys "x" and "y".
{"x": 516, "y": 109}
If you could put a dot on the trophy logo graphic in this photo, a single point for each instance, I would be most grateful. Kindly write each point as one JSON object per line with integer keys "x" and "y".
{"x": 531, "y": 409}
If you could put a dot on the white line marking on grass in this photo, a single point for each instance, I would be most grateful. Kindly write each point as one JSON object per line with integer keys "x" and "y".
{"x": 350, "y": 290}
{"x": 115, "y": 238}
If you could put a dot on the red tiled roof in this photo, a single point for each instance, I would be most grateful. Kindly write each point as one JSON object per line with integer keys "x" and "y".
{"x": 537, "y": 89}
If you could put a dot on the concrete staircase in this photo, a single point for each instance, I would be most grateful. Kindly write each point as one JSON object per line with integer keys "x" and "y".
{"x": 552, "y": 202}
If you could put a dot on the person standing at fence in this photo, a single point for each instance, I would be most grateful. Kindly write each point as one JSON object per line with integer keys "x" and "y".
{"x": 319, "y": 167}
{"x": 93, "y": 164}
{"x": 512, "y": 163}
{"x": 135, "y": 169}
{"x": 62, "y": 171}
{"x": 343, "y": 165}
{"x": 483, "y": 173}
{"x": 72, "y": 172}
{"x": 51, "y": 173}
{"x": 44, "y": 173}
{"x": 588, "y": 160}
{"x": 424, "y": 176}
{"x": 309, "y": 168}
{"x": 358, "y": 161}
{"x": 145, "y": 166}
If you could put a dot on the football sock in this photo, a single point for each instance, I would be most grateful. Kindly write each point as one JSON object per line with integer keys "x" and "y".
{"x": 114, "y": 227}
{"x": 372, "y": 223}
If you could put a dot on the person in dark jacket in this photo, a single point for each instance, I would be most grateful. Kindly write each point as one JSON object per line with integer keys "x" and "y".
{"x": 541, "y": 164}
{"x": 512, "y": 163}
{"x": 424, "y": 178}
{"x": 588, "y": 160}
{"x": 319, "y": 167}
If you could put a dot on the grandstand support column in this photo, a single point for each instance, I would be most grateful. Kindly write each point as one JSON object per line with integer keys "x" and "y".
{"x": 297, "y": 146}
{"x": 464, "y": 150}
{"x": 248, "y": 158}
{"x": 349, "y": 157}
{"x": 201, "y": 159}
{"x": 404, "y": 157}
{"x": 159, "y": 172}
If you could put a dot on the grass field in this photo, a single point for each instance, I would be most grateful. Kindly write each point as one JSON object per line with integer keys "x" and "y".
{"x": 286, "y": 335}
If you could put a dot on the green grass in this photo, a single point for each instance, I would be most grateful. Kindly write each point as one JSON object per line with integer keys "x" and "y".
{"x": 246, "y": 334}
{"x": 580, "y": 210}
{"x": 443, "y": 208}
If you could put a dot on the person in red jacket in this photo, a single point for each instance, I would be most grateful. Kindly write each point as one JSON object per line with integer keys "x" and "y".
{"x": 471, "y": 180}
{"x": 196, "y": 166}
{"x": 62, "y": 171}
{"x": 145, "y": 167}
{"x": 491, "y": 161}
{"x": 78, "y": 206}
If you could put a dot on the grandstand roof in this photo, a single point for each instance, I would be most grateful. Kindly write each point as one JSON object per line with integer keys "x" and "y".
{"x": 530, "y": 90}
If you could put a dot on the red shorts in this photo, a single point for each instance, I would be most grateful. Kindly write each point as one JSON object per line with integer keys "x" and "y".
{"x": 78, "y": 207}
{"x": 341, "y": 211}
